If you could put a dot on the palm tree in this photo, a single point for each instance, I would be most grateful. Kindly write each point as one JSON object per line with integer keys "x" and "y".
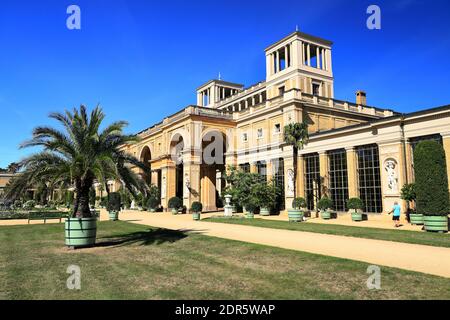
{"x": 296, "y": 135}
{"x": 78, "y": 156}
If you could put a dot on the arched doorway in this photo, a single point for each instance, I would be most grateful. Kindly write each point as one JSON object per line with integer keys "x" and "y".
{"x": 212, "y": 170}
{"x": 145, "y": 158}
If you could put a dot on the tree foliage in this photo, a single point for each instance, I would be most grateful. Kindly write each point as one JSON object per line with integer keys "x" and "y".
{"x": 296, "y": 135}
{"x": 431, "y": 179}
{"x": 78, "y": 155}
{"x": 325, "y": 203}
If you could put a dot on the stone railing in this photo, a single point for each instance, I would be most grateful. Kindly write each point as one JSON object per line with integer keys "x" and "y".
{"x": 190, "y": 110}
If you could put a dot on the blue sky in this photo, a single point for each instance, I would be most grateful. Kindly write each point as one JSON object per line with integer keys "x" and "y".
{"x": 142, "y": 60}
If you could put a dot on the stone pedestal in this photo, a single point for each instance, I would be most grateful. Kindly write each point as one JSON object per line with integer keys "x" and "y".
{"x": 228, "y": 209}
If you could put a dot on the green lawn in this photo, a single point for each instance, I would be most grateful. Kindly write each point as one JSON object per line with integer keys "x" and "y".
{"x": 425, "y": 238}
{"x": 137, "y": 262}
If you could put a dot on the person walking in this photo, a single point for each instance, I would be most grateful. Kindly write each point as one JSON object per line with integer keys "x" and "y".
{"x": 396, "y": 213}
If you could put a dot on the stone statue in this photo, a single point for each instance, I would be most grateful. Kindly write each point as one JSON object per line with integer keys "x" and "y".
{"x": 163, "y": 187}
{"x": 391, "y": 175}
{"x": 290, "y": 182}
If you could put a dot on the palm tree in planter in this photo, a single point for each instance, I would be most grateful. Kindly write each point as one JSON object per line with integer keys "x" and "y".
{"x": 175, "y": 204}
{"x": 324, "y": 205}
{"x": 296, "y": 135}
{"x": 76, "y": 157}
{"x": 114, "y": 205}
{"x": 196, "y": 209}
{"x": 431, "y": 185}
{"x": 356, "y": 204}
{"x": 297, "y": 212}
{"x": 408, "y": 194}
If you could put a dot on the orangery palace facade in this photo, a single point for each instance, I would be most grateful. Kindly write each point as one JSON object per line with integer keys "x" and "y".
{"x": 355, "y": 150}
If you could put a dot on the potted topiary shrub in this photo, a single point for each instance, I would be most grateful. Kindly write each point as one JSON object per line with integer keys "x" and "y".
{"x": 408, "y": 194}
{"x": 296, "y": 213}
{"x": 175, "y": 204}
{"x": 356, "y": 204}
{"x": 250, "y": 210}
{"x": 431, "y": 185}
{"x": 324, "y": 205}
{"x": 266, "y": 194}
{"x": 196, "y": 209}
{"x": 114, "y": 204}
{"x": 153, "y": 203}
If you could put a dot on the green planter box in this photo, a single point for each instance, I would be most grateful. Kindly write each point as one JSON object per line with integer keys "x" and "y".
{"x": 264, "y": 212}
{"x": 249, "y": 215}
{"x": 357, "y": 216}
{"x": 416, "y": 219}
{"x": 113, "y": 215}
{"x": 174, "y": 211}
{"x": 436, "y": 223}
{"x": 196, "y": 216}
{"x": 326, "y": 215}
{"x": 80, "y": 232}
{"x": 295, "y": 215}
{"x": 152, "y": 210}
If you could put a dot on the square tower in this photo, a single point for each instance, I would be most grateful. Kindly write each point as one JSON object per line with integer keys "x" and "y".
{"x": 300, "y": 61}
{"x": 214, "y": 91}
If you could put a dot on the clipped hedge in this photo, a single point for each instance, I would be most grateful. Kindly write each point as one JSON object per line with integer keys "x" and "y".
{"x": 431, "y": 186}
{"x": 24, "y": 214}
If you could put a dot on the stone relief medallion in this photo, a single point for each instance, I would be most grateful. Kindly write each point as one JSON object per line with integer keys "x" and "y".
{"x": 390, "y": 166}
{"x": 290, "y": 183}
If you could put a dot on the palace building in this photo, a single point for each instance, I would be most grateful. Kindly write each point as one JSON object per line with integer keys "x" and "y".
{"x": 355, "y": 150}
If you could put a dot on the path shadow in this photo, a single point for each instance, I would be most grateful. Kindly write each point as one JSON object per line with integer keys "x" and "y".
{"x": 144, "y": 238}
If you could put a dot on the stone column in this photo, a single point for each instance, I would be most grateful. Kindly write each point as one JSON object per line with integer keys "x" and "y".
{"x": 286, "y": 55}
{"x": 269, "y": 170}
{"x": 278, "y": 61}
{"x": 301, "y": 177}
{"x": 253, "y": 168}
{"x": 308, "y": 54}
{"x": 352, "y": 173}
{"x": 322, "y": 53}
{"x": 409, "y": 161}
{"x": 446, "y": 142}
{"x": 154, "y": 179}
{"x": 318, "y": 58}
{"x": 208, "y": 189}
{"x": 303, "y": 56}
{"x": 324, "y": 174}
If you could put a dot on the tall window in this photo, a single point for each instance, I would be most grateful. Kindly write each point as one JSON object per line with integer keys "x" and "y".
{"x": 338, "y": 179}
{"x": 312, "y": 179}
{"x": 415, "y": 141}
{"x": 369, "y": 178}
{"x": 261, "y": 169}
{"x": 245, "y": 167}
{"x": 278, "y": 175}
